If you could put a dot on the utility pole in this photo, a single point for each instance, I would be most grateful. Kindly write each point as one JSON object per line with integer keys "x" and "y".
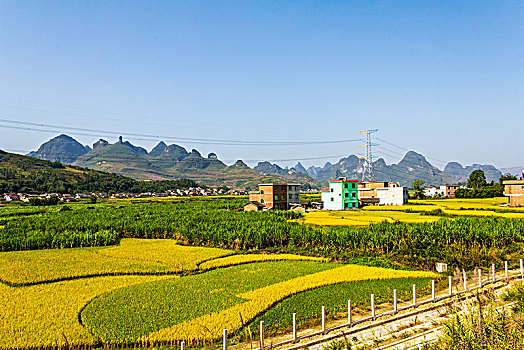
{"x": 367, "y": 174}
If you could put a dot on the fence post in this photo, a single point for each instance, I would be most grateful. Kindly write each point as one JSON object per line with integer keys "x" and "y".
{"x": 521, "y": 269}
{"x": 323, "y": 319}
{"x": 506, "y": 270}
{"x": 349, "y": 312}
{"x": 480, "y": 278}
{"x": 414, "y": 294}
{"x": 183, "y": 345}
{"x": 450, "y": 285}
{"x": 373, "y": 306}
{"x": 224, "y": 340}
{"x": 294, "y": 326}
{"x": 433, "y": 290}
{"x": 493, "y": 272}
{"x": 395, "y": 300}
{"x": 261, "y": 335}
{"x": 465, "y": 282}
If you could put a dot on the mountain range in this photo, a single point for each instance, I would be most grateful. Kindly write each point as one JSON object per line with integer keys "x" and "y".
{"x": 174, "y": 162}
{"x": 163, "y": 162}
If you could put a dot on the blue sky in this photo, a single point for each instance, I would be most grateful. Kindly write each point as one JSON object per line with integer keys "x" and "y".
{"x": 444, "y": 78}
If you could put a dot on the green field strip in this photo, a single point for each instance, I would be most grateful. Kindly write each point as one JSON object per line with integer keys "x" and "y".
{"x": 160, "y": 305}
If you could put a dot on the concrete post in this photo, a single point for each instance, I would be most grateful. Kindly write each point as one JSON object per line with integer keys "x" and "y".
{"x": 450, "y": 285}
{"x": 224, "y": 340}
{"x": 414, "y": 294}
{"x": 261, "y": 335}
{"x": 433, "y": 290}
{"x": 395, "y": 308}
{"x": 465, "y": 282}
{"x": 493, "y": 272}
{"x": 521, "y": 269}
{"x": 506, "y": 270}
{"x": 323, "y": 318}
{"x": 183, "y": 345}
{"x": 349, "y": 312}
{"x": 373, "y": 305}
{"x": 480, "y": 278}
{"x": 294, "y": 326}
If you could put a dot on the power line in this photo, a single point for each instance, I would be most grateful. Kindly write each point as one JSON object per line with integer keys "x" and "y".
{"x": 168, "y": 138}
{"x": 405, "y": 149}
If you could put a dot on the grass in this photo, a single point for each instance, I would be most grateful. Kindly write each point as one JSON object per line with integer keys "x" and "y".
{"x": 335, "y": 297}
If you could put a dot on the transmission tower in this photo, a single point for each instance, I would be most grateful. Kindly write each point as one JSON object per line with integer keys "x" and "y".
{"x": 367, "y": 174}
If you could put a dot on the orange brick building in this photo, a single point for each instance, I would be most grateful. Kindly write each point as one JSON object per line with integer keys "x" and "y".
{"x": 514, "y": 189}
{"x": 368, "y": 189}
{"x": 272, "y": 196}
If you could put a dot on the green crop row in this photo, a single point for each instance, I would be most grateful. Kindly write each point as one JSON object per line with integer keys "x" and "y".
{"x": 460, "y": 241}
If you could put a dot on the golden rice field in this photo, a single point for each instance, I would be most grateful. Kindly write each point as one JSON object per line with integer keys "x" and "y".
{"x": 411, "y": 213}
{"x": 82, "y": 296}
{"x": 251, "y": 258}
{"x": 202, "y": 329}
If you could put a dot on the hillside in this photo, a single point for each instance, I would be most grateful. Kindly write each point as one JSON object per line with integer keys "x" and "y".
{"x": 167, "y": 162}
{"x": 30, "y": 175}
{"x": 62, "y": 148}
{"x": 124, "y": 159}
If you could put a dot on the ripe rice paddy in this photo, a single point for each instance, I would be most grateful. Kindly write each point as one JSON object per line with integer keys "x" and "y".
{"x": 416, "y": 212}
{"x": 152, "y": 309}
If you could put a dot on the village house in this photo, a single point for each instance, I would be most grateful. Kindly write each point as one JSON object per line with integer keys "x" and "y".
{"x": 514, "y": 189}
{"x": 11, "y": 198}
{"x": 444, "y": 191}
{"x": 382, "y": 193}
{"x": 279, "y": 196}
{"x": 342, "y": 194}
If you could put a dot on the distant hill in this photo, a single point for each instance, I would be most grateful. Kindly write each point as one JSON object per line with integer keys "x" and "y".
{"x": 30, "y": 175}
{"x": 517, "y": 170}
{"x": 122, "y": 158}
{"x": 462, "y": 173}
{"x": 62, "y": 148}
{"x": 413, "y": 166}
{"x": 167, "y": 162}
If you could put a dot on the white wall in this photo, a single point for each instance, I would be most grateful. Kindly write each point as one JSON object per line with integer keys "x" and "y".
{"x": 333, "y": 200}
{"x": 392, "y": 195}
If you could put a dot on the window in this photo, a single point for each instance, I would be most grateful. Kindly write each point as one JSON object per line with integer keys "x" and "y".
{"x": 346, "y": 195}
{"x": 332, "y": 199}
{"x": 276, "y": 198}
{"x": 261, "y": 191}
{"x": 353, "y": 194}
{"x": 354, "y": 185}
{"x": 283, "y": 197}
{"x": 345, "y": 185}
{"x": 522, "y": 187}
{"x": 331, "y": 190}
{"x": 262, "y": 200}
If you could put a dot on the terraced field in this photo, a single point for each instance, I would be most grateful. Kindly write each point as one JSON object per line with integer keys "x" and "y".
{"x": 145, "y": 292}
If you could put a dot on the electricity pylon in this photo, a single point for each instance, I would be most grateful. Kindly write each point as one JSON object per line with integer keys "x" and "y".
{"x": 367, "y": 174}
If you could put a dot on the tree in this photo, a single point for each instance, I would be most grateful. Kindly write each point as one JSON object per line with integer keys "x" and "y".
{"x": 418, "y": 186}
{"x": 477, "y": 179}
{"x": 506, "y": 177}
{"x": 92, "y": 199}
